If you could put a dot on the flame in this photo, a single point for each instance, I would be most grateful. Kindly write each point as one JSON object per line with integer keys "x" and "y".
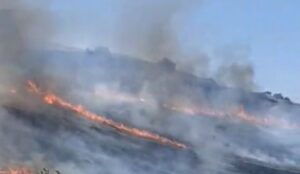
{"x": 17, "y": 170}
{"x": 238, "y": 113}
{"x": 53, "y": 99}
{"x": 32, "y": 87}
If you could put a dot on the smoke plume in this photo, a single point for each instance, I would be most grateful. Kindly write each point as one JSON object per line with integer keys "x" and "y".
{"x": 23, "y": 28}
{"x": 153, "y": 30}
{"x": 131, "y": 91}
{"x": 235, "y": 70}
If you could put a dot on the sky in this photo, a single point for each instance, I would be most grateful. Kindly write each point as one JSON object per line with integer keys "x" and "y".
{"x": 272, "y": 30}
{"x": 269, "y": 30}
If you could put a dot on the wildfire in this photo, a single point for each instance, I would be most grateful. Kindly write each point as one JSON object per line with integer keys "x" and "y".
{"x": 238, "y": 113}
{"x": 234, "y": 114}
{"x": 53, "y": 99}
{"x": 19, "y": 170}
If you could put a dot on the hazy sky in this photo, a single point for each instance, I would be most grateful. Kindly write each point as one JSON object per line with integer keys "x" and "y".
{"x": 269, "y": 29}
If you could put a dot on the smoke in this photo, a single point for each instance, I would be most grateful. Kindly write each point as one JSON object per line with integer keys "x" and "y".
{"x": 37, "y": 136}
{"x": 24, "y": 27}
{"x": 235, "y": 69}
{"x": 144, "y": 28}
{"x": 153, "y": 30}
{"x": 234, "y": 75}
{"x": 49, "y": 137}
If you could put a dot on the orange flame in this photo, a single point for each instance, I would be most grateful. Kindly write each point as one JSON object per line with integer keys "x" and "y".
{"x": 53, "y": 99}
{"x": 239, "y": 113}
{"x": 191, "y": 109}
{"x": 20, "y": 170}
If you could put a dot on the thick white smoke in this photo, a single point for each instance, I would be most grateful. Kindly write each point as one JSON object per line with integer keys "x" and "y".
{"x": 37, "y": 135}
{"x": 153, "y": 30}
